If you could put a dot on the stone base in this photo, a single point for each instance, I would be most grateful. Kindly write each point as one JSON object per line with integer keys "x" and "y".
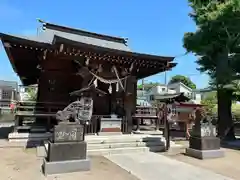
{"x": 204, "y": 143}
{"x": 65, "y": 151}
{"x": 61, "y": 167}
{"x": 205, "y": 154}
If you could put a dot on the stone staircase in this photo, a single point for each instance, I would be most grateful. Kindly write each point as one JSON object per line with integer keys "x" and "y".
{"x": 124, "y": 144}
{"x": 118, "y": 144}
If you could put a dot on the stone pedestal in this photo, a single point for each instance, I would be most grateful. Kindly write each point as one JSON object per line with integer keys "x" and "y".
{"x": 111, "y": 125}
{"x": 67, "y": 151}
{"x": 204, "y": 147}
{"x": 203, "y": 144}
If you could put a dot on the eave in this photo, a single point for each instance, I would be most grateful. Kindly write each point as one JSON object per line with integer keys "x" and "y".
{"x": 12, "y": 44}
{"x": 147, "y": 64}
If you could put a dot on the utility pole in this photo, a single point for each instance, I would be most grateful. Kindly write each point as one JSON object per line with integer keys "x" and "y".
{"x": 39, "y": 28}
{"x": 165, "y": 80}
{"x": 143, "y": 86}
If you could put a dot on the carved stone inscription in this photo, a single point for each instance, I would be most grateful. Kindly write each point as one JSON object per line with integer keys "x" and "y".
{"x": 208, "y": 129}
{"x": 68, "y": 133}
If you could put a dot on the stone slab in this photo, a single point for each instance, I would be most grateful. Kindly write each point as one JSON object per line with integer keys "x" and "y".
{"x": 204, "y": 143}
{"x": 15, "y": 136}
{"x": 153, "y": 166}
{"x": 66, "y": 151}
{"x": 109, "y": 133}
{"x": 68, "y": 132}
{"x": 205, "y": 154}
{"x": 61, "y": 167}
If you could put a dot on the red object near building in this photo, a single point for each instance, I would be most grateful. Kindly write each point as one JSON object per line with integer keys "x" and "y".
{"x": 12, "y": 107}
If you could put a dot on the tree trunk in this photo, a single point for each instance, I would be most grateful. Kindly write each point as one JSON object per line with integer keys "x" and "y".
{"x": 224, "y": 77}
{"x": 225, "y": 122}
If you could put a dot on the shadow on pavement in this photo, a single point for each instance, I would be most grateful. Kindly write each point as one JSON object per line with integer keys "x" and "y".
{"x": 235, "y": 145}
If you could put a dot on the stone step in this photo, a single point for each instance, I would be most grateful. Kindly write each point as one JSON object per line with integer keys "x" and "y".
{"x": 124, "y": 145}
{"x": 22, "y": 137}
{"x": 92, "y": 152}
{"x": 123, "y": 139}
{"x": 106, "y": 150}
{"x": 15, "y": 136}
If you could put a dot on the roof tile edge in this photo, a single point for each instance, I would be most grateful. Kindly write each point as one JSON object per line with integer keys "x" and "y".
{"x": 85, "y": 33}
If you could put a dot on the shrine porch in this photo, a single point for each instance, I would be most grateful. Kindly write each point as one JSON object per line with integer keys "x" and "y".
{"x": 39, "y": 117}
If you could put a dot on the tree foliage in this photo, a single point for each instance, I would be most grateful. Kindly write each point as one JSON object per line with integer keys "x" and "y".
{"x": 183, "y": 79}
{"x": 32, "y": 94}
{"x": 216, "y": 44}
{"x": 210, "y": 102}
{"x": 147, "y": 86}
{"x": 217, "y": 36}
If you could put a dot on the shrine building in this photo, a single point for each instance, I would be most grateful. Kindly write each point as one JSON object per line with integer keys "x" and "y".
{"x": 61, "y": 60}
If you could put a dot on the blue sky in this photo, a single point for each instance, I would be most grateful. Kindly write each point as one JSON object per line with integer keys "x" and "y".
{"x": 155, "y": 27}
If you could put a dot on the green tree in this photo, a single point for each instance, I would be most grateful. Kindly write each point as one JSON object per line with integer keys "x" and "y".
{"x": 216, "y": 44}
{"x": 210, "y": 102}
{"x": 183, "y": 79}
{"x": 32, "y": 93}
{"x": 147, "y": 86}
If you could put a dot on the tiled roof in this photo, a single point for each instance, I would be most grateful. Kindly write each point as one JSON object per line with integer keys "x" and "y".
{"x": 51, "y": 30}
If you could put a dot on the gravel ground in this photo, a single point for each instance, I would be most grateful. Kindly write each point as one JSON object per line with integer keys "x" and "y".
{"x": 20, "y": 164}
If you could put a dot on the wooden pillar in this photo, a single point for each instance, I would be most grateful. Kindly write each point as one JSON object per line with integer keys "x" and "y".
{"x": 113, "y": 99}
{"x": 166, "y": 128}
{"x": 130, "y": 101}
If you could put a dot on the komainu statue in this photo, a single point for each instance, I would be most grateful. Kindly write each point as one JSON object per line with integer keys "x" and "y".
{"x": 203, "y": 124}
{"x": 77, "y": 111}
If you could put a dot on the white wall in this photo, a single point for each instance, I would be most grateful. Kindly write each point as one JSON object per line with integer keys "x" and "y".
{"x": 181, "y": 88}
{"x": 186, "y": 91}
{"x": 197, "y": 97}
{"x": 174, "y": 88}
{"x": 161, "y": 89}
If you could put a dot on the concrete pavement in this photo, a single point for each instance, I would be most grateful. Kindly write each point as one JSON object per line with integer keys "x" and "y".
{"x": 152, "y": 166}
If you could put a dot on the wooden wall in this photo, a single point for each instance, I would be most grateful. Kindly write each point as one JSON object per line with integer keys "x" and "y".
{"x": 59, "y": 78}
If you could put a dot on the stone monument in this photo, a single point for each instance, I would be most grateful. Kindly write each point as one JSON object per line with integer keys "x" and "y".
{"x": 203, "y": 143}
{"x": 67, "y": 150}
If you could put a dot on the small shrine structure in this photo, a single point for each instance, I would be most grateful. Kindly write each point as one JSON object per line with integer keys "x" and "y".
{"x": 181, "y": 112}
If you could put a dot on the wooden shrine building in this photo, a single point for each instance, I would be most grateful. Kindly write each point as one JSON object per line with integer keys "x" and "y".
{"x": 62, "y": 60}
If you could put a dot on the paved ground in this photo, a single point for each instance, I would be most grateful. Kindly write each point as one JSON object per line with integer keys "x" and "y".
{"x": 227, "y": 166}
{"x": 19, "y": 164}
{"x": 152, "y": 166}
